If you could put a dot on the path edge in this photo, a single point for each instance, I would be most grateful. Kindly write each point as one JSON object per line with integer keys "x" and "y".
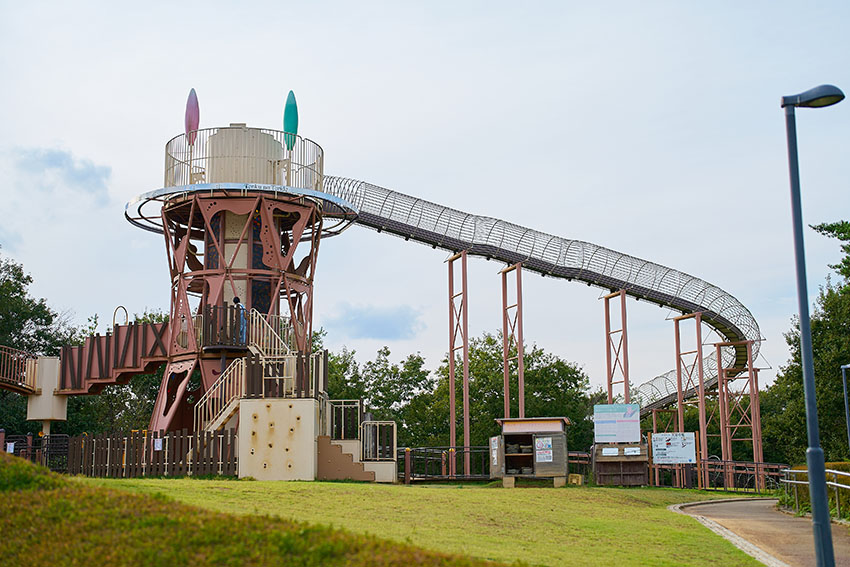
{"x": 750, "y": 549}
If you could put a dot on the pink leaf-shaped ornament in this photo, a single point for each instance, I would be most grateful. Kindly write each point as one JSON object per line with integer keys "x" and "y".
{"x": 193, "y": 117}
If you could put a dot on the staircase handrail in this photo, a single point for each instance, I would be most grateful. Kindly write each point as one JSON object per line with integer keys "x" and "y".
{"x": 18, "y": 368}
{"x": 229, "y": 386}
{"x": 266, "y": 338}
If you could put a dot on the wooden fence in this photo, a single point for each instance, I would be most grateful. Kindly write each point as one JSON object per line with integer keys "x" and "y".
{"x": 142, "y": 453}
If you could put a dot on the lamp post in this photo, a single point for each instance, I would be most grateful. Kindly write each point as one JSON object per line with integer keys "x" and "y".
{"x": 846, "y": 405}
{"x": 824, "y": 95}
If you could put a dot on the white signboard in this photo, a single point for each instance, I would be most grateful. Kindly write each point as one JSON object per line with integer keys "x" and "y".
{"x": 157, "y": 444}
{"x": 616, "y": 423}
{"x": 631, "y": 451}
{"x": 673, "y": 448}
{"x": 10, "y": 447}
{"x": 544, "y": 456}
{"x": 610, "y": 451}
{"x": 494, "y": 450}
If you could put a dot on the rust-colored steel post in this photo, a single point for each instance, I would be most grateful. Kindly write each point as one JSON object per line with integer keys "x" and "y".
{"x": 506, "y": 369}
{"x": 458, "y": 327}
{"x": 680, "y": 395}
{"x": 452, "y": 414}
{"x": 512, "y": 333}
{"x": 689, "y": 373}
{"x": 617, "y": 348}
{"x": 466, "y": 441}
{"x": 407, "y": 465}
{"x": 520, "y": 344}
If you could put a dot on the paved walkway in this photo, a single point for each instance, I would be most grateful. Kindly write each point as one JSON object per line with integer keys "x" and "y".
{"x": 787, "y": 538}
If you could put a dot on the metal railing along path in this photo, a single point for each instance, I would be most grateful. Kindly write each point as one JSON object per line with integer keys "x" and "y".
{"x": 840, "y": 482}
{"x": 442, "y": 227}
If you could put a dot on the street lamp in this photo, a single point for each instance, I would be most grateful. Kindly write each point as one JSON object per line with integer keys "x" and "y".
{"x": 846, "y": 405}
{"x": 824, "y": 95}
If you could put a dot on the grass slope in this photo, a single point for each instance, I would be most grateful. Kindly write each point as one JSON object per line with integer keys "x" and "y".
{"x": 541, "y": 526}
{"x": 48, "y": 520}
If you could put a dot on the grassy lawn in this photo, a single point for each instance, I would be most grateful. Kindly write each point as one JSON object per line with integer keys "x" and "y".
{"x": 48, "y": 520}
{"x": 540, "y": 526}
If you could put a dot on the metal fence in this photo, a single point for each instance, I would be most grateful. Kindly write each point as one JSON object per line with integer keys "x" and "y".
{"x": 243, "y": 155}
{"x": 723, "y": 476}
{"x": 837, "y": 481}
{"x": 434, "y": 463}
{"x": 50, "y": 451}
{"x": 154, "y": 454}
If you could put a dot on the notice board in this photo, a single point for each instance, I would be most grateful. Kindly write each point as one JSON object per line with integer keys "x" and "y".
{"x": 616, "y": 423}
{"x": 673, "y": 448}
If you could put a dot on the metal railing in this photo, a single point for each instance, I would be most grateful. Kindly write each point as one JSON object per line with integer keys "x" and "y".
{"x": 238, "y": 154}
{"x": 229, "y": 386}
{"x": 270, "y": 334}
{"x": 722, "y": 476}
{"x": 50, "y": 451}
{"x": 345, "y": 416}
{"x": 434, "y": 463}
{"x": 378, "y": 441}
{"x": 18, "y": 370}
{"x": 832, "y": 481}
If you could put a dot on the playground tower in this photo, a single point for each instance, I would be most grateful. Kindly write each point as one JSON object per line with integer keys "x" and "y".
{"x": 242, "y": 215}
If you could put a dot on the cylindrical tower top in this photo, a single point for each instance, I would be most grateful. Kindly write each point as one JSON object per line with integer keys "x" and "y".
{"x": 238, "y": 154}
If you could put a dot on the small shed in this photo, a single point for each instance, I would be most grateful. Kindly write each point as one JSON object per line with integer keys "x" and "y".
{"x": 530, "y": 447}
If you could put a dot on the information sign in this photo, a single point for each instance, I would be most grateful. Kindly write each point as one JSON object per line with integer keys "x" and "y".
{"x": 673, "y": 448}
{"x": 616, "y": 423}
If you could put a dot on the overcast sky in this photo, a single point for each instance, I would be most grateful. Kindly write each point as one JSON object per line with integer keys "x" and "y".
{"x": 652, "y": 128}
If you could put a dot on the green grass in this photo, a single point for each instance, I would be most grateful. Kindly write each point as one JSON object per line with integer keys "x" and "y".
{"x": 540, "y": 526}
{"x": 48, "y": 520}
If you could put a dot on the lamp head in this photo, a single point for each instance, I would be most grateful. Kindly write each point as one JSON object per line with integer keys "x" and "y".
{"x": 824, "y": 95}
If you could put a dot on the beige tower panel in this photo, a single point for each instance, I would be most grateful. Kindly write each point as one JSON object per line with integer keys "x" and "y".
{"x": 47, "y": 406}
{"x": 241, "y": 155}
{"x": 277, "y": 439}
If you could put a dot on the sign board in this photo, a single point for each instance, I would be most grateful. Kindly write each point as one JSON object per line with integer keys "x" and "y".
{"x": 543, "y": 449}
{"x": 10, "y": 447}
{"x": 157, "y": 444}
{"x": 610, "y": 451}
{"x": 616, "y": 423}
{"x": 631, "y": 451}
{"x": 673, "y": 448}
{"x": 494, "y": 451}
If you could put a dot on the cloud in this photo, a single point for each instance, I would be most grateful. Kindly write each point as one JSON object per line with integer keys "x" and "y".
{"x": 370, "y": 322}
{"x": 59, "y": 167}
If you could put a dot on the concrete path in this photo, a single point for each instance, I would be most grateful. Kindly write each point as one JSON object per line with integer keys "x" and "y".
{"x": 782, "y": 537}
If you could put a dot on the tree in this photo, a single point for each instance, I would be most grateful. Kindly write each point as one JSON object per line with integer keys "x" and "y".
{"x": 783, "y": 403}
{"x": 419, "y": 401}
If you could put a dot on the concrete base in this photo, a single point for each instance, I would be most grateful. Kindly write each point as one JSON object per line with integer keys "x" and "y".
{"x": 277, "y": 439}
{"x": 559, "y": 481}
{"x": 385, "y": 471}
{"x": 508, "y": 482}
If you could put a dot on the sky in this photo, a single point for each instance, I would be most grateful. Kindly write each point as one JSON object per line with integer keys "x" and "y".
{"x": 651, "y": 128}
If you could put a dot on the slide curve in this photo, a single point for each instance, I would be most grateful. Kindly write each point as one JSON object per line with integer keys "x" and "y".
{"x": 415, "y": 219}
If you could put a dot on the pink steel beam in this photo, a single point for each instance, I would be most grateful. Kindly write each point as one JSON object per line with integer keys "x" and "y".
{"x": 617, "y": 348}
{"x": 458, "y": 326}
{"x": 512, "y": 333}
{"x": 689, "y": 376}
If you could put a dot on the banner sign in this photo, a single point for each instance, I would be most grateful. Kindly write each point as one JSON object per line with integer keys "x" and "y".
{"x": 674, "y": 448}
{"x": 616, "y": 423}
